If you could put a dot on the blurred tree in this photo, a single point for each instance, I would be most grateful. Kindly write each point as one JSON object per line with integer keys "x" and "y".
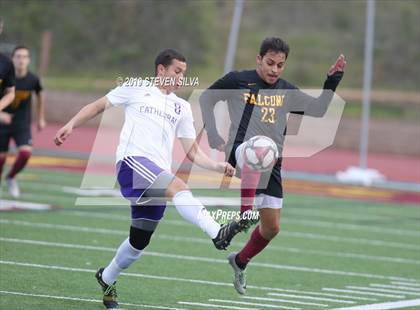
{"x": 104, "y": 36}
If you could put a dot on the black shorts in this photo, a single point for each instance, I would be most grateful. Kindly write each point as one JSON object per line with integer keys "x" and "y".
{"x": 274, "y": 186}
{"x": 20, "y": 134}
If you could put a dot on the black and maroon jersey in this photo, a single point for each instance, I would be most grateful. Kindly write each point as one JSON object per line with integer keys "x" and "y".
{"x": 21, "y": 105}
{"x": 258, "y": 108}
{"x": 7, "y": 74}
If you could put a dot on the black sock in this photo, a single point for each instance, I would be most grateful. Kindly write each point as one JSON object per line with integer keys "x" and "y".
{"x": 239, "y": 263}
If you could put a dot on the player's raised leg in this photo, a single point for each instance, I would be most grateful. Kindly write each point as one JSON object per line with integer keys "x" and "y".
{"x": 249, "y": 179}
{"x": 147, "y": 187}
{"x": 192, "y": 210}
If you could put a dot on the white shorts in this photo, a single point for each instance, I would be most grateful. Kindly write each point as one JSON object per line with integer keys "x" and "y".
{"x": 265, "y": 201}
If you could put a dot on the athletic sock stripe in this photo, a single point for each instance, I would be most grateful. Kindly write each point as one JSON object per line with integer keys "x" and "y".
{"x": 139, "y": 172}
{"x": 142, "y": 167}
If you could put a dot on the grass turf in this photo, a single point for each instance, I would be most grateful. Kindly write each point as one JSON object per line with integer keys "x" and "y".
{"x": 324, "y": 243}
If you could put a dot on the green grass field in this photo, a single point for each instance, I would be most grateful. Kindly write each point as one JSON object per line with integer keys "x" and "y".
{"x": 330, "y": 254}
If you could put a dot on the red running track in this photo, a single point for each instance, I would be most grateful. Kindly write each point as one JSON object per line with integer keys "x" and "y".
{"x": 329, "y": 161}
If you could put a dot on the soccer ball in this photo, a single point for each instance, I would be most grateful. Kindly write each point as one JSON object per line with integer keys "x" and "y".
{"x": 260, "y": 153}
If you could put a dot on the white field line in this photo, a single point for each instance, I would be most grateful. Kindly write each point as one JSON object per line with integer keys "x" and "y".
{"x": 341, "y": 214}
{"x": 65, "y": 227}
{"x": 201, "y": 259}
{"x": 234, "y": 201}
{"x": 14, "y": 204}
{"x": 285, "y": 300}
{"x": 137, "y": 275}
{"x": 301, "y": 251}
{"x": 313, "y": 298}
{"x": 89, "y": 213}
{"x": 386, "y": 305}
{"x": 85, "y": 300}
{"x": 44, "y": 198}
{"x": 398, "y": 287}
{"x": 353, "y": 227}
{"x": 252, "y": 304}
{"x": 381, "y": 290}
{"x": 293, "y": 234}
{"x": 187, "y": 280}
{"x": 358, "y": 241}
{"x": 361, "y": 292}
{"x": 200, "y": 304}
{"x": 326, "y": 294}
{"x": 270, "y": 248}
{"x": 406, "y": 283}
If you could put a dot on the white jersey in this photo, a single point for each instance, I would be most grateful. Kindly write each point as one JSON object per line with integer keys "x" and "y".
{"x": 152, "y": 121}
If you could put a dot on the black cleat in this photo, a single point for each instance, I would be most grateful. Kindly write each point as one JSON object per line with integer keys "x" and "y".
{"x": 247, "y": 220}
{"x": 225, "y": 235}
{"x": 109, "y": 298}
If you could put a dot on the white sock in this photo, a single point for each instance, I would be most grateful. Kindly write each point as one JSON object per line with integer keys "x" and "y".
{"x": 194, "y": 212}
{"x": 126, "y": 255}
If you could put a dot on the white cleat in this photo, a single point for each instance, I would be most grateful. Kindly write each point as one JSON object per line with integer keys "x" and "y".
{"x": 13, "y": 187}
{"x": 240, "y": 279}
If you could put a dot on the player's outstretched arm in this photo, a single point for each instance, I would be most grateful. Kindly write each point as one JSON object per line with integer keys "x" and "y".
{"x": 40, "y": 111}
{"x": 197, "y": 156}
{"x": 6, "y": 118}
{"x": 207, "y": 104}
{"x": 219, "y": 90}
{"x": 301, "y": 102}
{"x": 86, "y": 113}
{"x": 9, "y": 96}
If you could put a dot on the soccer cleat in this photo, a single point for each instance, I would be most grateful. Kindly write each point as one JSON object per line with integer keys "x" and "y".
{"x": 13, "y": 187}
{"x": 109, "y": 298}
{"x": 226, "y": 234}
{"x": 230, "y": 230}
{"x": 239, "y": 281}
{"x": 247, "y": 220}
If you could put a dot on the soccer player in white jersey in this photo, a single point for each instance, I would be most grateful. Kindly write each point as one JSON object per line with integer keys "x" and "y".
{"x": 154, "y": 116}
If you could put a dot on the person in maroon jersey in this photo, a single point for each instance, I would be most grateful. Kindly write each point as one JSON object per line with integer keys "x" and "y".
{"x": 259, "y": 102}
{"x": 19, "y": 129}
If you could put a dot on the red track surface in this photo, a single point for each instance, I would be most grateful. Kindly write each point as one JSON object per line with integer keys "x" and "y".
{"x": 329, "y": 161}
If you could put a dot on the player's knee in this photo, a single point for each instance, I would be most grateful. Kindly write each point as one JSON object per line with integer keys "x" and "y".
{"x": 26, "y": 148}
{"x": 270, "y": 231}
{"x": 139, "y": 238}
{"x": 177, "y": 185}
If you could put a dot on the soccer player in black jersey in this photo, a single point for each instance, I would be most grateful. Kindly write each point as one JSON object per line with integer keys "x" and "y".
{"x": 7, "y": 91}
{"x": 19, "y": 128}
{"x": 7, "y": 84}
{"x": 258, "y": 104}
